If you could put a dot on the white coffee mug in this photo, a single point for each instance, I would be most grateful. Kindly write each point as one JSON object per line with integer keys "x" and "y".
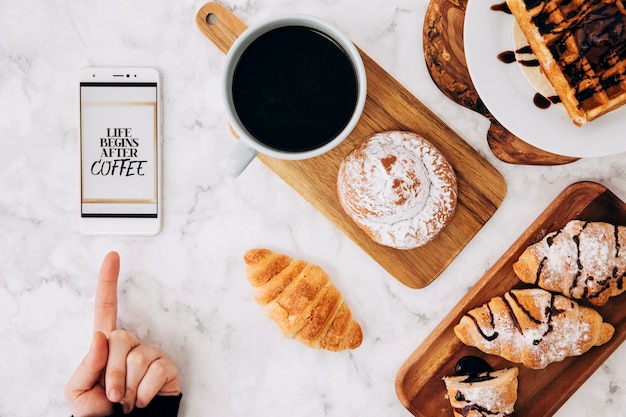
{"x": 249, "y": 92}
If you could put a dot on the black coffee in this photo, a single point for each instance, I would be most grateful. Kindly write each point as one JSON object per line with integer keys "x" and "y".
{"x": 294, "y": 89}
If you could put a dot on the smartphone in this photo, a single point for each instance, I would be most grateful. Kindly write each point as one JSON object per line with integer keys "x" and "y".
{"x": 120, "y": 151}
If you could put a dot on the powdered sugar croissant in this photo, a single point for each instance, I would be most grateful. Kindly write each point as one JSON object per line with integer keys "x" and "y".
{"x": 533, "y": 327}
{"x": 491, "y": 394}
{"x": 302, "y": 301}
{"x": 584, "y": 260}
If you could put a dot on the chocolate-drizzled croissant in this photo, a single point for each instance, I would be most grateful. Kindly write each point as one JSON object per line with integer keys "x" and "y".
{"x": 302, "y": 301}
{"x": 533, "y": 327}
{"x": 584, "y": 260}
{"x": 490, "y": 394}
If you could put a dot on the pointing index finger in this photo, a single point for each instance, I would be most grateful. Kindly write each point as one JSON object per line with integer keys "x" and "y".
{"x": 105, "y": 308}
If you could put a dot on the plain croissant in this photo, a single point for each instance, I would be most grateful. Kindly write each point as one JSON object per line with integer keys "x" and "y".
{"x": 584, "y": 260}
{"x": 533, "y": 327}
{"x": 302, "y": 301}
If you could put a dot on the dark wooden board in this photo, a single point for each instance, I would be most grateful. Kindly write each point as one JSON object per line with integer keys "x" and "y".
{"x": 541, "y": 392}
{"x": 445, "y": 58}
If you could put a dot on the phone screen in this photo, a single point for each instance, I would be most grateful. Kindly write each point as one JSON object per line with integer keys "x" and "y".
{"x": 119, "y": 145}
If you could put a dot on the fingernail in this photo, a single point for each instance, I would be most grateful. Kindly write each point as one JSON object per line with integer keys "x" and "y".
{"x": 125, "y": 408}
{"x": 115, "y": 395}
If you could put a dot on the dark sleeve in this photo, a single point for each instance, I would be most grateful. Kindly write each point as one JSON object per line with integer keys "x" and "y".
{"x": 160, "y": 406}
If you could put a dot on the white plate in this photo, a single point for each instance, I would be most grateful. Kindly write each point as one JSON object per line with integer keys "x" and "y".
{"x": 509, "y": 97}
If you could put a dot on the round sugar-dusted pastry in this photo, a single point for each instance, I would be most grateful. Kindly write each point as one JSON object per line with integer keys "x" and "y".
{"x": 398, "y": 188}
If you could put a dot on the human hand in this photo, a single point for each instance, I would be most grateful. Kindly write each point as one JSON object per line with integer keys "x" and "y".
{"x": 118, "y": 368}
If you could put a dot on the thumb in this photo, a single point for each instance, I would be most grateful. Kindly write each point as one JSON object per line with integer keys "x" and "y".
{"x": 91, "y": 368}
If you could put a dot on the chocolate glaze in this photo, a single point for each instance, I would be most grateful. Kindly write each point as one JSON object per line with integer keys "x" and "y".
{"x": 501, "y": 7}
{"x": 576, "y": 239}
{"x": 532, "y": 3}
{"x": 492, "y": 319}
{"x": 604, "y": 283}
{"x": 485, "y": 376}
{"x": 551, "y": 237}
{"x": 513, "y": 316}
{"x": 541, "y": 101}
{"x": 598, "y": 30}
{"x": 524, "y": 310}
{"x": 491, "y": 337}
{"x": 618, "y": 248}
{"x": 480, "y": 330}
{"x": 529, "y": 62}
{"x": 472, "y": 366}
{"x": 547, "y": 316}
{"x": 542, "y": 264}
{"x": 476, "y": 369}
{"x": 465, "y": 411}
{"x": 574, "y": 283}
{"x": 550, "y": 312}
{"x": 508, "y": 57}
{"x": 579, "y": 265}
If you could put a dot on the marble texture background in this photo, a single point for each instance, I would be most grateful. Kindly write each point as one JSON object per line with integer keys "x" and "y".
{"x": 185, "y": 289}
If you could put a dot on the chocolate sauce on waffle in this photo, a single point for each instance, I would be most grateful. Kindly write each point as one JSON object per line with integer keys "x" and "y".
{"x": 599, "y": 33}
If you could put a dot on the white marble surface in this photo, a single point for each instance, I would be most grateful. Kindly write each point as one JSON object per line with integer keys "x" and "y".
{"x": 185, "y": 289}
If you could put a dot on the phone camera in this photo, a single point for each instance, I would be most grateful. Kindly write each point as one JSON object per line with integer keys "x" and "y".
{"x": 127, "y": 75}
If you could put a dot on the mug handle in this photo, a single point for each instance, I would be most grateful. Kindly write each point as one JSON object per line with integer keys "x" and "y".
{"x": 238, "y": 159}
{"x": 222, "y": 27}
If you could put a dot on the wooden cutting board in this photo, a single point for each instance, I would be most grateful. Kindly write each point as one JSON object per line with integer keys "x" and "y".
{"x": 389, "y": 106}
{"x": 445, "y": 58}
{"x": 419, "y": 382}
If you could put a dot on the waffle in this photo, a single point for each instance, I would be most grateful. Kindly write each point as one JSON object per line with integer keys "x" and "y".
{"x": 581, "y": 47}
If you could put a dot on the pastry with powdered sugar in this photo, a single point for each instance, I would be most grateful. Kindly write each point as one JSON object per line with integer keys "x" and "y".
{"x": 398, "y": 188}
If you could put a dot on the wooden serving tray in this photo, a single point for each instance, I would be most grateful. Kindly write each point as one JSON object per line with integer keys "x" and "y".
{"x": 541, "y": 392}
{"x": 445, "y": 58}
{"x": 389, "y": 106}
